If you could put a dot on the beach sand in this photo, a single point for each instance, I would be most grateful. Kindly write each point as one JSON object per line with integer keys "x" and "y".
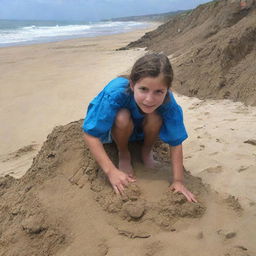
{"x": 63, "y": 206}
{"x": 44, "y": 85}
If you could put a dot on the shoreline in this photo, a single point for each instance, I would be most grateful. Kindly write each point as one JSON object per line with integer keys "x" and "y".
{"x": 150, "y": 25}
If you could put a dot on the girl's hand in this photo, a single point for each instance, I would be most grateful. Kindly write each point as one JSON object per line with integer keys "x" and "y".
{"x": 119, "y": 180}
{"x": 178, "y": 186}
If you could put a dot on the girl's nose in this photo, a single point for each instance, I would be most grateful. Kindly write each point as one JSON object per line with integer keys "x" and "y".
{"x": 149, "y": 97}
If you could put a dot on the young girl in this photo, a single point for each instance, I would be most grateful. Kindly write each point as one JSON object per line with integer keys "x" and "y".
{"x": 139, "y": 107}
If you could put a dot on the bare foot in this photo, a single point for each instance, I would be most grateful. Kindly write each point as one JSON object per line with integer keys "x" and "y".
{"x": 147, "y": 158}
{"x": 125, "y": 163}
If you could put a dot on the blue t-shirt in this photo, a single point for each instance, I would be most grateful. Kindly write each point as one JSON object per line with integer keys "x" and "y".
{"x": 103, "y": 109}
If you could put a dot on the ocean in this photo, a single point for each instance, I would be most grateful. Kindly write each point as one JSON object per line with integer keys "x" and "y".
{"x": 22, "y": 32}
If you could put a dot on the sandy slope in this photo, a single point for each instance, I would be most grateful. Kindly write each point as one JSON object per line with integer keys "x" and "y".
{"x": 215, "y": 49}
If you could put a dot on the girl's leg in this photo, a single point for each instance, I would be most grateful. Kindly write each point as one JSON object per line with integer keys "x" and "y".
{"x": 121, "y": 132}
{"x": 151, "y": 127}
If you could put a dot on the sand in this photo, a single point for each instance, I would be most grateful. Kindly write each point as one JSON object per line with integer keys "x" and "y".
{"x": 63, "y": 204}
{"x": 214, "y": 47}
{"x": 51, "y": 84}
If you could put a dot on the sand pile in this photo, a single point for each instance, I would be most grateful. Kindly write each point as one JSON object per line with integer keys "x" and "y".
{"x": 64, "y": 205}
{"x": 213, "y": 50}
{"x": 28, "y": 228}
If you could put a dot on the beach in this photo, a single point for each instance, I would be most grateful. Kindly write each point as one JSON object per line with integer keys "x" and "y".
{"x": 49, "y": 85}
{"x": 45, "y": 85}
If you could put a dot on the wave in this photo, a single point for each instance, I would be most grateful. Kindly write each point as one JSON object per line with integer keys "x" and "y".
{"x": 36, "y": 33}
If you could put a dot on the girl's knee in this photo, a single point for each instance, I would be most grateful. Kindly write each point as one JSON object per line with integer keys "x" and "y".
{"x": 123, "y": 118}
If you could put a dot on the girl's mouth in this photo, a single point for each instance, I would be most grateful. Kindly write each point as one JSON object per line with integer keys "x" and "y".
{"x": 146, "y": 106}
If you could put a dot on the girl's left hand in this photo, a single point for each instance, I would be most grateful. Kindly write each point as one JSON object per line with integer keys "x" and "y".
{"x": 178, "y": 186}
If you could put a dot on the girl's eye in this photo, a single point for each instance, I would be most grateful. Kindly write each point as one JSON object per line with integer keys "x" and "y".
{"x": 143, "y": 89}
{"x": 159, "y": 92}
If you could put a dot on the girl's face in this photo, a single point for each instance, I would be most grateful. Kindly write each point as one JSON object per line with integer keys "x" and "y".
{"x": 149, "y": 93}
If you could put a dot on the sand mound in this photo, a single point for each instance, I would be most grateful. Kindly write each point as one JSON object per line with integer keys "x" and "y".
{"x": 64, "y": 205}
{"x": 28, "y": 228}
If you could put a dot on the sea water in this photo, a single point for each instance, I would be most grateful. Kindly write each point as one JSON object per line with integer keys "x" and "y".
{"x": 21, "y": 32}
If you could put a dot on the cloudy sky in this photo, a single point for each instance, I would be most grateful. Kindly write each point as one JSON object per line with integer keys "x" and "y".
{"x": 89, "y": 10}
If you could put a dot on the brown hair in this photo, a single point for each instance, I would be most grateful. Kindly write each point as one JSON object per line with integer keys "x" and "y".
{"x": 152, "y": 65}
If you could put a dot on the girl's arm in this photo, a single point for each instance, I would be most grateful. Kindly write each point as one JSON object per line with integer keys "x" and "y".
{"x": 117, "y": 178}
{"x": 178, "y": 173}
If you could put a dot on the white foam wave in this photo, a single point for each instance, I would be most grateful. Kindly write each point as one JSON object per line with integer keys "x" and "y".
{"x": 37, "y": 33}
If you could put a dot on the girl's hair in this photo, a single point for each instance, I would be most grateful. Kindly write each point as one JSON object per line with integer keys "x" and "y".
{"x": 152, "y": 65}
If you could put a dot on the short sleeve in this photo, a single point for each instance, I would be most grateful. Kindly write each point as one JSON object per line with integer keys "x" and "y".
{"x": 173, "y": 130}
{"x": 100, "y": 115}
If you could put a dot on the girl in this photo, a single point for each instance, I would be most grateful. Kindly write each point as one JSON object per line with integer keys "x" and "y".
{"x": 137, "y": 107}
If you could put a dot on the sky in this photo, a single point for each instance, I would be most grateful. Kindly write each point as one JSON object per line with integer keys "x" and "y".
{"x": 89, "y": 10}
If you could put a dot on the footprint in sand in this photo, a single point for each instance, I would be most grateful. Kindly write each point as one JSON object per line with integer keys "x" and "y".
{"x": 202, "y": 147}
{"x": 237, "y": 251}
{"x": 252, "y": 203}
{"x": 251, "y": 142}
{"x": 226, "y": 234}
{"x": 214, "y": 153}
{"x": 200, "y": 235}
{"x": 230, "y": 119}
{"x": 153, "y": 248}
{"x": 234, "y": 203}
{"x": 216, "y": 169}
{"x": 198, "y": 128}
{"x": 243, "y": 168}
{"x": 208, "y": 135}
{"x": 102, "y": 249}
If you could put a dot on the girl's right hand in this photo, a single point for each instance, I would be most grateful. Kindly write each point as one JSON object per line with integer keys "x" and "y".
{"x": 119, "y": 180}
